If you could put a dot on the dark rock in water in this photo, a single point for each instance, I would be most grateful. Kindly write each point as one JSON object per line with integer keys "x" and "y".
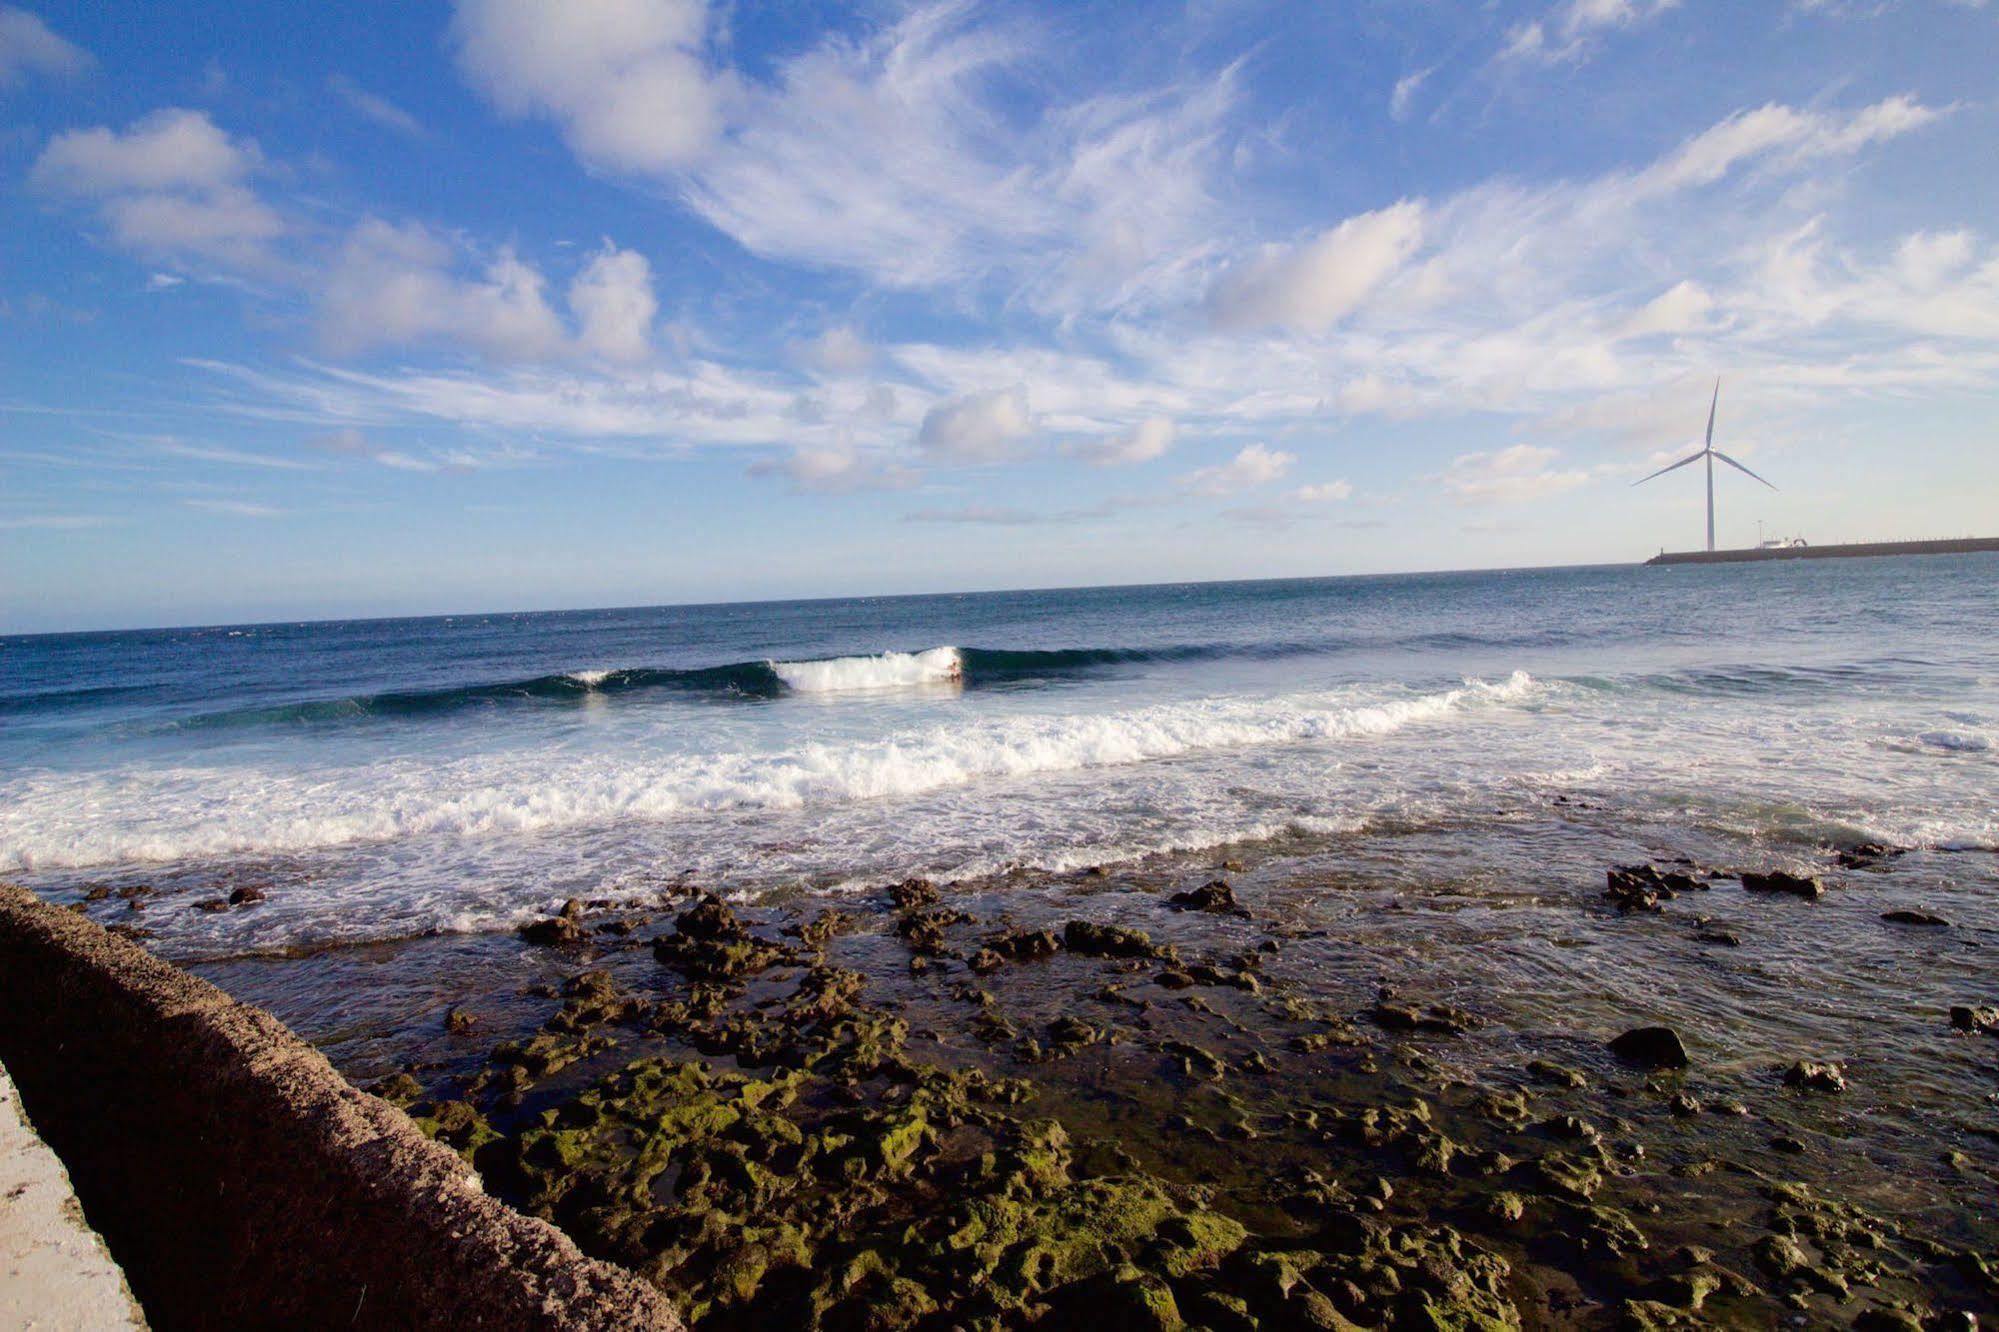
{"x": 553, "y": 932}
{"x": 709, "y": 918}
{"x": 1216, "y": 896}
{"x": 1811, "y": 1075}
{"x": 1726, "y": 938}
{"x": 246, "y": 896}
{"x": 912, "y": 893}
{"x": 1787, "y": 1144}
{"x": 1913, "y": 918}
{"x": 1862, "y": 855}
{"x": 1968, "y": 1017}
{"x": 1655, "y": 1047}
{"x": 1440, "y": 1019}
{"x": 459, "y": 1022}
{"x": 211, "y": 904}
{"x": 1777, "y": 881}
{"x": 1024, "y": 945}
{"x": 1643, "y": 887}
{"x": 1090, "y": 939}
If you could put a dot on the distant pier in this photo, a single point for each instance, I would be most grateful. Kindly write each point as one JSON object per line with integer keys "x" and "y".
{"x": 1848, "y": 551}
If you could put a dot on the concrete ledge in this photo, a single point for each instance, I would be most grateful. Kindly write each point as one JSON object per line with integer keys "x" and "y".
{"x": 54, "y": 1269}
{"x": 241, "y": 1181}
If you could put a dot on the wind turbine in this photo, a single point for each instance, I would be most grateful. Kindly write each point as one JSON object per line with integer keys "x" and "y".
{"x": 1710, "y": 452}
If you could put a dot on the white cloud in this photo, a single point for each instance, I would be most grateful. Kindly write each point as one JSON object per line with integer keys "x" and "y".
{"x": 1256, "y": 465}
{"x": 235, "y": 508}
{"x": 1566, "y": 32}
{"x": 614, "y": 305}
{"x": 1401, "y": 101}
{"x": 28, "y": 46}
{"x": 1682, "y": 309}
{"x": 1149, "y": 439}
{"x": 375, "y": 107}
{"x": 1513, "y": 475}
{"x": 624, "y": 79}
{"x": 394, "y": 284}
{"x": 980, "y": 427}
{"x": 837, "y": 468}
{"x": 894, "y": 155}
{"x": 1326, "y": 492}
{"x": 170, "y": 185}
{"x": 1309, "y": 287}
{"x": 840, "y": 350}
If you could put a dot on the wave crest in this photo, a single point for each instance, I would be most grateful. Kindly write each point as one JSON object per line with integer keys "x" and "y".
{"x": 890, "y": 670}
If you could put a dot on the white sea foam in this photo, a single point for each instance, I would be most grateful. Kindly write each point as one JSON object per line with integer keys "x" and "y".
{"x": 890, "y": 670}
{"x": 591, "y": 679}
{"x": 163, "y": 814}
{"x": 1956, "y": 742}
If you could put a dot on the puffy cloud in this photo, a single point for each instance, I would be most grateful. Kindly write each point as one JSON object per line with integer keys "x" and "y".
{"x": 1255, "y": 465}
{"x": 840, "y": 350}
{"x": 170, "y": 185}
{"x": 28, "y": 46}
{"x": 394, "y": 284}
{"x": 1513, "y": 475}
{"x": 1149, "y": 439}
{"x": 979, "y": 427}
{"x": 1683, "y": 309}
{"x": 1326, "y": 492}
{"x": 1308, "y": 288}
{"x": 614, "y": 305}
{"x": 624, "y": 79}
{"x": 837, "y": 468}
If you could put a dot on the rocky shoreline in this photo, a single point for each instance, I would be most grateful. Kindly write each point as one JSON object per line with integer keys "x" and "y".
{"x": 1153, "y": 1106}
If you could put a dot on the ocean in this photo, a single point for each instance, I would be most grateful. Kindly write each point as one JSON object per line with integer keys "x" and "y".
{"x": 383, "y": 779}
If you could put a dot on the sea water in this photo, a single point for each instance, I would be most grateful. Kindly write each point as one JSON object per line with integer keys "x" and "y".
{"x": 386, "y": 778}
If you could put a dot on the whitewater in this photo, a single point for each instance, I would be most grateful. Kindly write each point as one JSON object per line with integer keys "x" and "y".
{"x": 382, "y": 778}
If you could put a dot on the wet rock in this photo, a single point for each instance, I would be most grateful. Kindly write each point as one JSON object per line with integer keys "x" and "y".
{"x": 1780, "y": 1257}
{"x": 1089, "y": 939}
{"x": 1653, "y": 1047}
{"x": 1023, "y": 945}
{"x": 1215, "y": 896}
{"x": 1913, "y": 918}
{"x": 1866, "y": 855}
{"x": 246, "y": 896}
{"x": 1811, "y": 1075}
{"x": 913, "y": 894}
{"x": 1437, "y": 1019}
{"x": 212, "y": 904}
{"x": 923, "y": 929}
{"x": 1975, "y": 1018}
{"x": 553, "y": 932}
{"x": 459, "y": 1022}
{"x": 1644, "y": 887}
{"x": 1556, "y": 1075}
{"x": 1788, "y": 1145}
{"x": 1791, "y": 885}
{"x": 1123, "y": 1299}
{"x": 1685, "y": 1105}
{"x": 1723, "y": 938}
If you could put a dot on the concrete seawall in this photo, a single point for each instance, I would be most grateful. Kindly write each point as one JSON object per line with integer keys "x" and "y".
{"x": 241, "y": 1181}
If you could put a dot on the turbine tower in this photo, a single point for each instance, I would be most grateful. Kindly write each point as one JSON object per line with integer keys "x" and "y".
{"x": 1710, "y": 453}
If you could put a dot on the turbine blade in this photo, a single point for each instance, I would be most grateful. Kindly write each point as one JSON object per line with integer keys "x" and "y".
{"x": 1681, "y": 463}
{"x": 1712, "y": 407}
{"x": 1739, "y": 467}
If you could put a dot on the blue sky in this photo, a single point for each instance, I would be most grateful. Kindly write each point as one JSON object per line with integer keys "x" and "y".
{"x": 341, "y": 310}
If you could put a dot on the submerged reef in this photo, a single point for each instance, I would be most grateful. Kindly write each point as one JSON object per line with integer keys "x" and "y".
{"x": 923, "y": 1113}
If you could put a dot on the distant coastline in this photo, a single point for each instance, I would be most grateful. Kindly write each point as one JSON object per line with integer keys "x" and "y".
{"x": 1845, "y": 551}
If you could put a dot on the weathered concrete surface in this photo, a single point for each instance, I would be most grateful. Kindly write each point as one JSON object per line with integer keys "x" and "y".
{"x": 241, "y": 1181}
{"x": 54, "y": 1270}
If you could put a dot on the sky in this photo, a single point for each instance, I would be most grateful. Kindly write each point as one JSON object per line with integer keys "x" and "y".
{"x": 329, "y": 311}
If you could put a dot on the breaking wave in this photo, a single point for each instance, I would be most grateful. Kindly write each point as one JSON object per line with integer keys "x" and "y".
{"x": 168, "y": 814}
